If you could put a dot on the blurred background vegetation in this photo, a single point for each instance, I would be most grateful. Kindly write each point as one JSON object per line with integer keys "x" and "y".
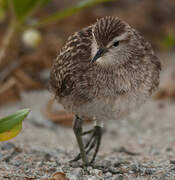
{"x": 32, "y": 32}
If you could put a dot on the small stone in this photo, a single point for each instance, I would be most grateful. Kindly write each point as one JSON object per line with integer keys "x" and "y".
{"x": 91, "y": 178}
{"x": 135, "y": 168}
{"x": 108, "y": 174}
{"x": 17, "y": 163}
{"x": 117, "y": 164}
{"x": 172, "y": 161}
{"x": 77, "y": 171}
{"x": 91, "y": 171}
{"x": 89, "y": 168}
{"x": 148, "y": 171}
{"x": 168, "y": 149}
{"x": 118, "y": 177}
{"x": 75, "y": 164}
{"x": 98, "y": 172}
{"x": 1, "y": 156}
{"x": 71, "y": 176}
{"x": 106, "y": 163}
{"x": 7, "y": 146}
{"x": 114, "y": 170}
{"x": 47, "y": 157}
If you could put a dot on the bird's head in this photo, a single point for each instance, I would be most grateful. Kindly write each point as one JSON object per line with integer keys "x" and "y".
{"x": 114, "y": 42}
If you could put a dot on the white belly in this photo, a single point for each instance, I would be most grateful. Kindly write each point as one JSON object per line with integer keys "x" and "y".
{"x": 103, "y": 109}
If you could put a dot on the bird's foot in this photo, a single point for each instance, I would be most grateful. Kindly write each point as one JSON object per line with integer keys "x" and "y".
{"x": 94, "y": 141}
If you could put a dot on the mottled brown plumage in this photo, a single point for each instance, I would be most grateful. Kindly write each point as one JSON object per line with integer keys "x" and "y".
{"x": 108, "y": 28}
{"x": 104, "y": 72}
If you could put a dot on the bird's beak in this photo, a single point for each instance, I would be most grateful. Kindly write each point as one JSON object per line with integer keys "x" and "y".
{"x": 99, "y": 54}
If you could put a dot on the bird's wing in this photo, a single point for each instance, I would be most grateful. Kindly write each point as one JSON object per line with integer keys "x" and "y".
{"x": 71, "y": 63}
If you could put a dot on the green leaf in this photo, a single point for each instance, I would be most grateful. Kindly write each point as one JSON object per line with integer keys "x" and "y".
{"x": 11, "y": 121}
{"x": 23, "y": 8}
{"x": 68, "y": 12}
{"x": 13, "y": 132}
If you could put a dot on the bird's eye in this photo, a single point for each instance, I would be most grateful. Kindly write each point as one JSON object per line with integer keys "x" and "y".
{"x": 116, "y": 43}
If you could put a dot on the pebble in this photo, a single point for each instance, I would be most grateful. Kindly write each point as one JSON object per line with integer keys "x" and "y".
{"x": 168, "y": 149}
{"x": 134, "y": 168}
{"x": 71, "y": 176}
{"x": 77, "y": 172}
{"x": 1, "y": 156}
{"x": 7, "y": 146}
{"x": 118, "y": 177}
{"x": 148, "y": 171}
{"x": 91, "y": 178}
{"x": 89, "y": 168}
{"x": 98, "y": 172}
{"x": 108, "y": 174}
{"x": 172, "y": 161}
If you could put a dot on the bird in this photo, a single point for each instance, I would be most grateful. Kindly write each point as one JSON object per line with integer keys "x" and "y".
{"x": 103, "y": 72}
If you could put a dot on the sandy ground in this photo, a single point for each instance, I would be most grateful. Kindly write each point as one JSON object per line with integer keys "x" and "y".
{"x": 142, "y": 146}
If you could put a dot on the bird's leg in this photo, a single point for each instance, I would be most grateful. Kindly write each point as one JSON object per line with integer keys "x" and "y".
{"x": 77, "y": 127}
{"x": 78, "y": 157}
{"x": 98, "y": 140}
{"x": 95, "y": 139}
{"x": 87, "y": 132}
